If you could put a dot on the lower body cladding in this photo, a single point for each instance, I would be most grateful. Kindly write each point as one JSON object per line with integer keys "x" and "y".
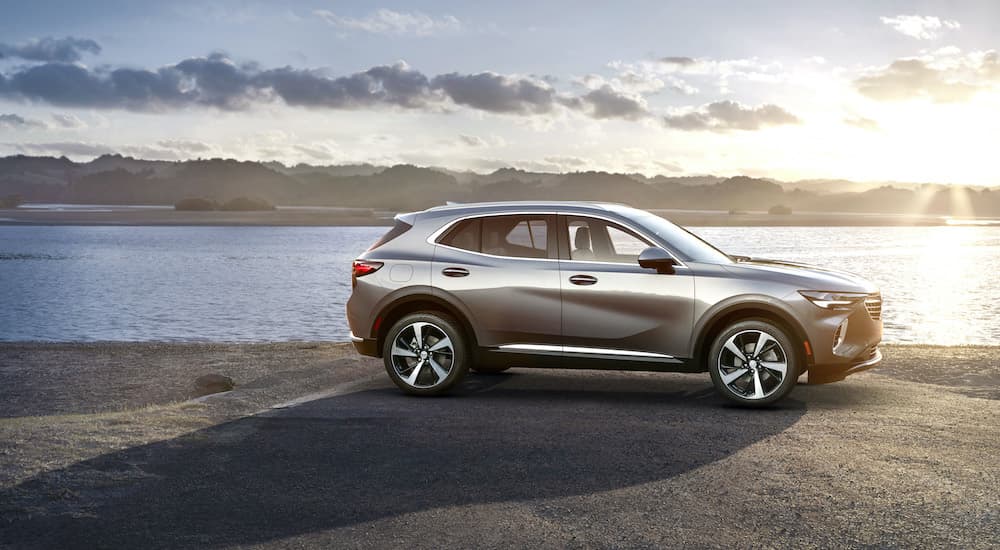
{"x": 573, "y": 357}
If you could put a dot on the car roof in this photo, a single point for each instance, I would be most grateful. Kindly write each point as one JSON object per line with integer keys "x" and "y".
{"x": 520, "y": 206}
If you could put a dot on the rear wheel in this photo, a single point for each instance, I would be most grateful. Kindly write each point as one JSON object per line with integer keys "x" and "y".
{"x": 753, "y": 363}
{"x": 426, "y": 353}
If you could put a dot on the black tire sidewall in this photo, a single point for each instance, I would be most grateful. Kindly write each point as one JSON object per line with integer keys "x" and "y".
{"x": 459, "y": 367}
{"x": 780, "y": 334}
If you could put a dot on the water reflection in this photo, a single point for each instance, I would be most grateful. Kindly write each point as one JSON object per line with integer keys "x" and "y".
{"x": 287, "y": 283}
{"x": 939, "y": 284}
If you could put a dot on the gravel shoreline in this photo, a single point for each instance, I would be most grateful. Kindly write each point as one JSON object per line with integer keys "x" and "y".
{"x": 45, "y": 379}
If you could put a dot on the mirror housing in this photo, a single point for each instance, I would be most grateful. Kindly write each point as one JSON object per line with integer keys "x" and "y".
{"x": 658, "y": 259}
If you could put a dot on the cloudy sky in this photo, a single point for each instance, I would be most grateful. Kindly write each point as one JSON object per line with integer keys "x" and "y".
{"x": 906, "y": 91}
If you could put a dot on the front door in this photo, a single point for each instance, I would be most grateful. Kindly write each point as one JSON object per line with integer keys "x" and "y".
{"x": 613, "y": 307}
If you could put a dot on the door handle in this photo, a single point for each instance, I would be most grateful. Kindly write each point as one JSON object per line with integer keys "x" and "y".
{"x": 583, "y": 280}
{"x": 455, "y": 272}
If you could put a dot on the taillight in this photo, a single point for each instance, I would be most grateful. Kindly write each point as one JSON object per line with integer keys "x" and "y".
{"x": 360, "y": 268}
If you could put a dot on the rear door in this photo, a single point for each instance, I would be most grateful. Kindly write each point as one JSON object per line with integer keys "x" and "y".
{"x": 612, "y": 306}
{"x": 504, "y": 271}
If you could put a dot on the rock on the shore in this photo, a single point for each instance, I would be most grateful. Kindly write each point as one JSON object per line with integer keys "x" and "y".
{"x": 212, "y": 383}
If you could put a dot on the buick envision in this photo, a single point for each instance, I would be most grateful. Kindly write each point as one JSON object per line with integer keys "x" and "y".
{"x": 599, "y": 286}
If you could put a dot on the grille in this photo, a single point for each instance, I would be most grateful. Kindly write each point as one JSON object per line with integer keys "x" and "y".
{"x": 874, "y": 306}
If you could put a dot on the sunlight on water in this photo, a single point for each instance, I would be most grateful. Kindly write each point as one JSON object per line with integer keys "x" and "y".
{"x": 940, "y": 284}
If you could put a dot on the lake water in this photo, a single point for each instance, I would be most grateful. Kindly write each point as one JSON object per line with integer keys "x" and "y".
{"x": 940, "y": 284}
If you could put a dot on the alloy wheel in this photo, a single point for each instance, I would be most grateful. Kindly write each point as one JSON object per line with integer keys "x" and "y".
{"x": 752, "y": 364}
{"x": 422, "y": 355}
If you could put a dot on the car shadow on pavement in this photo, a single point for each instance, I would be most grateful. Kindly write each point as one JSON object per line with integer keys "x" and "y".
{"x": 376, "y": 453}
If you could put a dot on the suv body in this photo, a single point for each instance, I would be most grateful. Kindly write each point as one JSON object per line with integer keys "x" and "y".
{"x": 602, "y": 286}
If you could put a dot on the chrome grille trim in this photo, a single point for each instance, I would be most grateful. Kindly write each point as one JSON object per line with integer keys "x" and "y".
{"x": 873, "y": 304}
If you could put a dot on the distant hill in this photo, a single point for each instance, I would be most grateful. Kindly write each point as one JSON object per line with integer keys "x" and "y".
{"x": 115, "y": 179}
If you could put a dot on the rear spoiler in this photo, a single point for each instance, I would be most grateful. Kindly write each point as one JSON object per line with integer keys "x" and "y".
{"x": 406, "y": 217}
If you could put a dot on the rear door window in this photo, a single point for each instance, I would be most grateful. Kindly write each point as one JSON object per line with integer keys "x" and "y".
{"x": 515, "y": 236}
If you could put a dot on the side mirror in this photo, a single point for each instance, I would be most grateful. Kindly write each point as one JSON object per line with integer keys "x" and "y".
{"x": 658, "y": 259}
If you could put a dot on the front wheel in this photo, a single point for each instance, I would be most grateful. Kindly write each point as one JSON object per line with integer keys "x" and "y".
{"x": 425, "y": 353}
{"x": 753, "y": 363}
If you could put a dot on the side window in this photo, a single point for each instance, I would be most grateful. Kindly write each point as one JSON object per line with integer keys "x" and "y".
{"x": 597, "y": 240}
{"x": 581, "y": 242}
{"x": 625, "y": 245}
{"x": 465, "y": 235}
{"x": 529, "y": 233}
{"x": 516, "y": 236}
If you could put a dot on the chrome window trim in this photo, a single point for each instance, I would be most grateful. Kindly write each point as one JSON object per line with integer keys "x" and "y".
{"x": 547, "y": 348}
{"x": 433, "y": 237}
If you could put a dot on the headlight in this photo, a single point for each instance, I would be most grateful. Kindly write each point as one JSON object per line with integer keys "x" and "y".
{"x": 833, "y": 300}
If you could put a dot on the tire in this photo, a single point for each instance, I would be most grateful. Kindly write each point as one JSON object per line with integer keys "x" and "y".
{"x": 753, "y": 379}
{"x": 435, "y": 365}
{"x": 483, "y": 369}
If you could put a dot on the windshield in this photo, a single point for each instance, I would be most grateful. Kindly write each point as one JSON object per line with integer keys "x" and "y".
{"x": 686, "y": 244}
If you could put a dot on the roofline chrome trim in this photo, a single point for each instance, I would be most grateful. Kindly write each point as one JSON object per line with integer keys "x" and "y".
{"x": 433, "y": 237}
{"x": 547, "y": 348}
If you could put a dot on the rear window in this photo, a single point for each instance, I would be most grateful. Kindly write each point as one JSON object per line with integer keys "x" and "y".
{"x": 397, "y": 230}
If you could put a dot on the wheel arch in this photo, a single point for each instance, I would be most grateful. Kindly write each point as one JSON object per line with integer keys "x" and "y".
{"x": 726, "y": 313}
{"x": 418, "y": 301}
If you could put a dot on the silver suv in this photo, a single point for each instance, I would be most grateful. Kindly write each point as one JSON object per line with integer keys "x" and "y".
{"x": 599, "y": 286}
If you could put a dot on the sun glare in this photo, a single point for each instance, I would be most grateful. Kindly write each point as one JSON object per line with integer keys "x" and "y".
{"x": 948, "y": 258}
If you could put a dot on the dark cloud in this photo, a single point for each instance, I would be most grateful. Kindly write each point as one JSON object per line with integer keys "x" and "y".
{"x": 63, "y": 50}
{"x": 17, "y": 122}
{"x": 396, "y": 85}
{"x": 216, "y": 81}
{"x": 722, "y": 116}
{"x": 682, "y": 61}
{"x": 913, "y": 78}
{"x": 497, "y": 93}
{"x": 75, "y": 86}
{"x": 606, "y": 102}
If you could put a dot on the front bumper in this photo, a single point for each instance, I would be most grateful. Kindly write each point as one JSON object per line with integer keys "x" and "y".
{"x": 365, "y": 346}
{"x": 825, "y": 374}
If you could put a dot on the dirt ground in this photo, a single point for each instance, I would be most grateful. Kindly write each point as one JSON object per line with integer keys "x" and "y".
{"x": 100, "y": 445}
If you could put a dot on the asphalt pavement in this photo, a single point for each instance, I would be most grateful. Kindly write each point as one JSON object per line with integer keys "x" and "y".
{"x": 553, "y": 459}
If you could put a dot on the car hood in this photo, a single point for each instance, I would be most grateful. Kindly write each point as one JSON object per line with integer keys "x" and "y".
{"x": 808, "y": 277}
